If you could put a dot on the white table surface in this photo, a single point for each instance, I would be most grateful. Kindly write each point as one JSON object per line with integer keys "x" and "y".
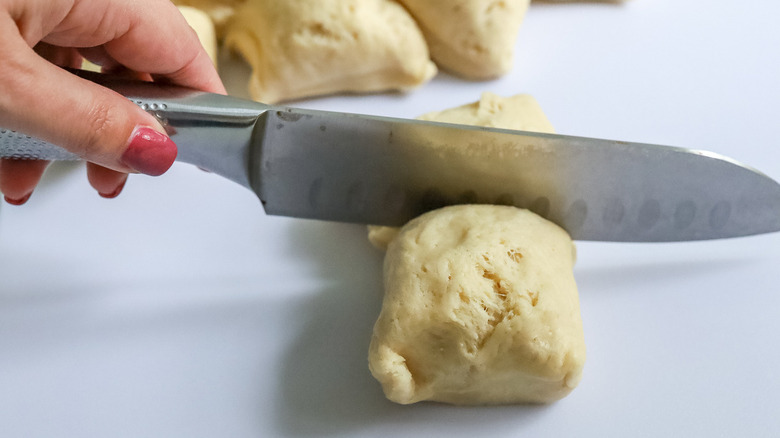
{"x": 181, "y": 310}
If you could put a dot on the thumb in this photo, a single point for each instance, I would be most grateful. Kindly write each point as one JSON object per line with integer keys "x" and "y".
{"x": 91, "y": 121}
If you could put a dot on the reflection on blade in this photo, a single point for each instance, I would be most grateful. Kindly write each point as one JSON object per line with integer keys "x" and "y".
{"x": 385, "y": 171}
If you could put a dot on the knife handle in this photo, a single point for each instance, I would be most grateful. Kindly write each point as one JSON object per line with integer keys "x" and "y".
{"x": 211, "y": 131}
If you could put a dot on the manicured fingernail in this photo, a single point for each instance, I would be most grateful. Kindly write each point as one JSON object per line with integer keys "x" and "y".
{"x": 149, "y": 152}
{"x": 115, "y": 193}
{"x": 18, "y": 201}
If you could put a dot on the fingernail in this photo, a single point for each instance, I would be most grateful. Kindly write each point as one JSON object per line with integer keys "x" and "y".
{"x": 18, "y": 201}
{"x": 149, "y": 152}
{"x": 115, "y": 193}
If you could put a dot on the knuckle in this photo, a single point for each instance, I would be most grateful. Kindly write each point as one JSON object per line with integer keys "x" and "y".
{"x": 98, "y": 130}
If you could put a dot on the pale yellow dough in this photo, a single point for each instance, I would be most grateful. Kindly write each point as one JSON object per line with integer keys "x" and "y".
{"x": 521, "y": 112}
{"x": 303, "y": 48}
{"x": 472, "y": 38}
{"x": 480, "y": 307}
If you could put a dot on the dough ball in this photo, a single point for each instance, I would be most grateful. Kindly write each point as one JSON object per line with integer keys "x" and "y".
{"x": 521, "y": 112}
{"x": 480, "y": 307}
{"x": 303, "y": 48}
{"x": 470, "y": 38}
{"x": 204, "y": 27}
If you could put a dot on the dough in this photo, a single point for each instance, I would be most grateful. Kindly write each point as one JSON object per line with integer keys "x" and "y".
{"x": 471, "y": 38}
{"x": 520, "y": 112}
{"x": 303, "y": 48}
{"x": 480, "y": 307}
{"x": 204, "y": 27}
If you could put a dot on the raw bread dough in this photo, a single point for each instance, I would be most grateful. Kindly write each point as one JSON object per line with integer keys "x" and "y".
{"x": 204, "y": 27}
{"x": 302, "y": 48}
{"x": 521, "y": 112}
{"x": 471, "y": 38}
{"x": 480, "y": 307}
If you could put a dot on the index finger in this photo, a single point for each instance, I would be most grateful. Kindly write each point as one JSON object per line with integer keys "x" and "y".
{"x": 148, "y": 36}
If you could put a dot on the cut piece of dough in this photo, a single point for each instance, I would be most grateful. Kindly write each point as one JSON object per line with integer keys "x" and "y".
{"x": 303, "y": 48}
{"x": 471, "y": 38}
{"x": 480, "y": 307}
{"x": 521, "y": 112}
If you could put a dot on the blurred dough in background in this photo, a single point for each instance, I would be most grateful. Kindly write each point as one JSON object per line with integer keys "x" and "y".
{"x": 474, "y": 39}
{"x": 304, "y": 48}
{"x": 521, "y": 112}
{"x": 480, "y": 307}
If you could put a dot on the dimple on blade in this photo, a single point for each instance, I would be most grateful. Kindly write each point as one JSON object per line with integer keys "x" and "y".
{"x": 384, "y": 171}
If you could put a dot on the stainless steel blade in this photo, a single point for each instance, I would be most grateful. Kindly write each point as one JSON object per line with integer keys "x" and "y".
{"x": 376, "y": 170}
{"x": 384, "y": 171}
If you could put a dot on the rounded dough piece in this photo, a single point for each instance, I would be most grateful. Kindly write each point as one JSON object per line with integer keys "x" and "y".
{"x": 470, "y": 38}
{"x": 480, "y": 307}
{"x": 520, "y": 112}
{"x": 304, "y": 48}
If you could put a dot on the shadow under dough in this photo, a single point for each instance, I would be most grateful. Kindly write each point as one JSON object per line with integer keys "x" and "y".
{"x": 326, "y": 387}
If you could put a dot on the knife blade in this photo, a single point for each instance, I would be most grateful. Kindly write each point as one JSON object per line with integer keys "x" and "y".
{"x": 385, "y": 171}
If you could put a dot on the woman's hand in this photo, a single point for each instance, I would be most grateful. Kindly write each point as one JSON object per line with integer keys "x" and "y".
{"x": 148, "y": 39}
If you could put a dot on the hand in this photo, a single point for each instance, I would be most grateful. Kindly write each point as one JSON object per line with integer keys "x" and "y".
{"x": 148, "y": 39}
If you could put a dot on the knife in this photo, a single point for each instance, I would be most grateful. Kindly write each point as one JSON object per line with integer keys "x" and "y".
{"x": 385, "y": 171}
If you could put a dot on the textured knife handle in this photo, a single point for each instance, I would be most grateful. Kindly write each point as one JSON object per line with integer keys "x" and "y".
{"x": 17, "y": 145}
{"x": 23, "y": 147}
{"x": 211, "y": 131}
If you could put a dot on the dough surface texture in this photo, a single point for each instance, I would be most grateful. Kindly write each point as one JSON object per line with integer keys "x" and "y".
{"x": 304, "y": 48}
{"x": 480, "y": 307}
{"x": 470, "y": 38}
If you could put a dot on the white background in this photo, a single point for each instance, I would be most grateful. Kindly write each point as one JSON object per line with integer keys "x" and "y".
{"x": 181, "y": 310}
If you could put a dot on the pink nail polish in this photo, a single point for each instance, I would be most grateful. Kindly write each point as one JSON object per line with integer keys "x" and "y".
{"x": 19, "y": 201}
{"x": 149, "y": 152}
